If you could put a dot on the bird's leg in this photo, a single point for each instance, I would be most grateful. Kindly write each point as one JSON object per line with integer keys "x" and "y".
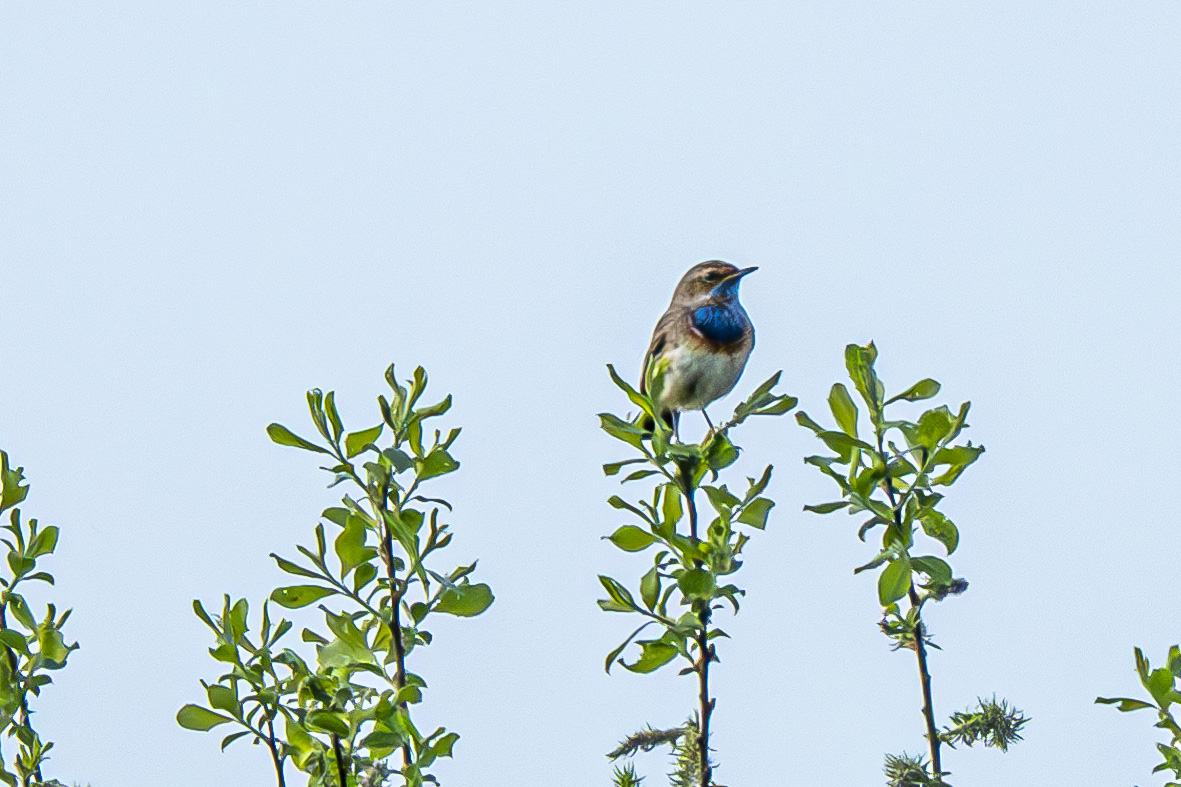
{"x": 676, "y": 425}
{"x": 709, "y": 422}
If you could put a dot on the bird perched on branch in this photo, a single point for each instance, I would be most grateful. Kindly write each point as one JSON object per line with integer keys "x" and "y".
{"x": 700, "y": 345}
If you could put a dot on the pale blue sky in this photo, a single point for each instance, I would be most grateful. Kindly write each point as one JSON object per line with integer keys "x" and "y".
{"x": 207, "y": 208}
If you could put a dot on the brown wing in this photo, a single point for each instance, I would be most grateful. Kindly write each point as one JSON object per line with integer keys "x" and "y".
{"x": 659, "y": 341}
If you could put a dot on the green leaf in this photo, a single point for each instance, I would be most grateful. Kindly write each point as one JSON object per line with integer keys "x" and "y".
{"x": 720, "y": 452}
{"x": 934, "y": 426}
{"x": 781, "y": 405}
{"x": 757, "y": 486}
{"x": 755, "y": 513}
{"x": 859, "y": 362}
{"x": 615, "y": 501}
{"x": 297, "y": 596}
{"x": 443, "y": 746}
{"x": 670, "y": 507}
{"x": 722, "y": 500}
{"x": 333, "y": 415}
{"x": 623, "y": 430}
{"x": 465, "y": 600}
{"x": 940, "y": 528}
{"x": 935, "y": 568}
{"x": 11, "y": 491}
{"x": 762, "y": 391}
{"x": 886, "y": 554}
{"x": 194, "y": 717}
{"x": 200, "y": 612}
{"x": 19, "y": 564}
{"x": 923, "y": 389}
{"x": 804, "y": 420}
{"x": 355, "y": 442}
{"x": 842, "y": 443}
{"x": 1142, "y": 665}
{"x": 14, "y": 640}
{"x": 383, "y": 739}
{"x": 612, "y": 468}
{"x": 294, "y": 568}
{"x": 621, "y": 599}
{"x": 843, "y": 409}
{"x": 43, "y": 543}
{"x": 827, "y": 508}
{"x": 53, "y": 646}
{"x": 630, "y": 538}
{"x": 639, "y": 474}
{"x": 433, "y": 410}
{"x": 637, "y": 398}
{"x": 366, "y": 573}
{"x": 697, "y": 583}
{"x": 894, "y": 581}
{"x": 650, "y": 588}
{"x": 438, "y": 462}
{"x": 763, "y": 402}
{"x": 614, "y": 653}
{"x": 655, "y": 655}
{"x": 1160, "y": 685}
{"x": 958, "y": 455}
{"x": 236, "y": 619}
{"x": 284, "y": 436}
{"x": 222, "y": 698}
{"x": 959, "y": 458}
{"x": 350, "y": 546}
{"x": 20, "y": 611}
{"x": 328, "y": 721}
{"x": 227, "y": 740}
{"x": 1125, "y": 704}
{"x": 400, "y": 460}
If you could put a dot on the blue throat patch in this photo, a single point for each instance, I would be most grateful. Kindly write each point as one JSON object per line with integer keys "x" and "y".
{"x": 719, "y": 324}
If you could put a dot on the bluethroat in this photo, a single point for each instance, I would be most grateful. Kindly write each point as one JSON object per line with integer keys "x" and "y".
{"x": 700, "y": 345}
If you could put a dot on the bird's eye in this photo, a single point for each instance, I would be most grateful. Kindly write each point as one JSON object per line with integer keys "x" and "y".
{"x": 712, "y": 276}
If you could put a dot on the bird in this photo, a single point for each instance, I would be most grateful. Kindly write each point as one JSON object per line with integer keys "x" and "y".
{"x": 700, "y": 345}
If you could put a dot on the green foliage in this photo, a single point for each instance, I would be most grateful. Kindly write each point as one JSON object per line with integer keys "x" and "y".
{"x": 895, "y": 474}
{"x": 688, "y": 767}
{"x": 649, "y": 739}
{"x": 895, "y": 486}
{"x": 907, "y": 771}
{"x": 347, "y": 712}
{"x": 682, "y": 742}
{"x": 1165, "y": 691}
{"x": 992, "y": 723}
{"x": 691, "y": 567}
{"x": 626, "y": 776}
{"x": 29, "y": 648}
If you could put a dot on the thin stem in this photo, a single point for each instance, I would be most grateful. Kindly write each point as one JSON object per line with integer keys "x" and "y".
{"x": 275, "y": 752}
{"x": 340, "y": 767}
{"x": 400, "y": 654}
{"x": 920, "y": 650}
{"x": 703, "y": 652}
{"x": 707, "y": 704}
{"x": 396, "y": 593}
{"x": 920, "y": 647}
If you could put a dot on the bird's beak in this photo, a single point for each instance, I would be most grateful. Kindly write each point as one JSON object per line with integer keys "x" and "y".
{"x": 729, "y": 285}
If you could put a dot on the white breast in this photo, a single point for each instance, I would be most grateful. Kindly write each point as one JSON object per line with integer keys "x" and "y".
{"x": 695, "y": 378}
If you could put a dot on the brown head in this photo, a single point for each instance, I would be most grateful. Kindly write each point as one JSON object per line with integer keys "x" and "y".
{"x": 709, "y": 281}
